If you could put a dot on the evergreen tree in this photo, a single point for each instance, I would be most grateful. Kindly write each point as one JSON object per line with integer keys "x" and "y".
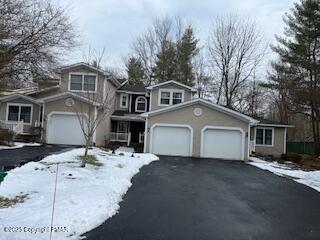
{"x": 135, "y": 71}
{"x": 186, "y": 50}
{"x": 300, "y": 59}
{"x": 166, "y": 62}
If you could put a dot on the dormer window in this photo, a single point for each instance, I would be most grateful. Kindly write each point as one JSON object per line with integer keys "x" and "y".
{"x": 170, "y": 97}
{"x": 80, "y": 82}
{"x": 141, "y": 104}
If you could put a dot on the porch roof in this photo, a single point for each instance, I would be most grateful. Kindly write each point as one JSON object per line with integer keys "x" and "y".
{"x": 126, "y": 116}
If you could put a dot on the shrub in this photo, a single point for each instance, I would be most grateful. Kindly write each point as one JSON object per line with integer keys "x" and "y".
{"x": 138, "y": 148}
{"x": 91, "y": 159}
{"x": 6, "y": 137}
{"x": 292, "y": 157}
{"x": 121, "y": 154}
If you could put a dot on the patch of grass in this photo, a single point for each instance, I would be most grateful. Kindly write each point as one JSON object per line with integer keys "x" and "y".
{"x": 91, "y": 159}
{"x": 7, "y": 202}
{"x": 121, "y": 154}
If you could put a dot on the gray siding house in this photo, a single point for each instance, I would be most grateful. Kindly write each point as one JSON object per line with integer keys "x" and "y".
{"x": 166, "y": 118}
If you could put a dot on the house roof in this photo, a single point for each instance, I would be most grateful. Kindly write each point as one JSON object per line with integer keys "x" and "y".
{"x": 68, "y": 94}
{"x": 125, "y": 115}
{"x": 170, "y": 82}
{"x": 16, "y": 96}
{"x": 139, "y": 88}
{"x": 214, "y": 106}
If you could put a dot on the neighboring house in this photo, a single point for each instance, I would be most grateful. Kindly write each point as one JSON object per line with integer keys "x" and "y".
{"x": 165, "y": 117}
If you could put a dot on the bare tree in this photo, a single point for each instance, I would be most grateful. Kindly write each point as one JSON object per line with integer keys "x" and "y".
{"x": 100, "y": 103}
{"x": 236, "y": 49}
{"x": 149, "y": 44}
{"x": 203, "y": 80}
{"x": 34, "y": 34}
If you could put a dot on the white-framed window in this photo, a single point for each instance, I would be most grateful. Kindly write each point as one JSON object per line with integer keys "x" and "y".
{"x": 264, "y": 136}
{"x": 141, "y": 104}
{"x": 17, "y": 112}
{"x": 83, "y": 82}
{"x": 124, "y": 99}
{"x": 170, "y": 97}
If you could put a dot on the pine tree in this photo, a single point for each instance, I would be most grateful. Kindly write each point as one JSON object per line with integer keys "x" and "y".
{"x": 135, "y": 71}
{"x": 186, "y": 50}
{"x": 166, "y": 62}
{"x": 299, "y": 53}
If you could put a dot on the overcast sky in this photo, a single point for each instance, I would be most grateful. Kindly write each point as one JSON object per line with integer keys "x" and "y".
{"x": 114, "y": 24}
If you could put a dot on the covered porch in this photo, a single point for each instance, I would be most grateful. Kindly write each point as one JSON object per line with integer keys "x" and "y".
{"x": 127, "y": 131}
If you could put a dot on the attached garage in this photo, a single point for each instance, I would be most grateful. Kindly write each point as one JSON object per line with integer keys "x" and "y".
{"x": 198, "y": 128}
{"x": 223, "y": 143}
{"x": 171, "y": 139}
{"x": 64, "y": 128}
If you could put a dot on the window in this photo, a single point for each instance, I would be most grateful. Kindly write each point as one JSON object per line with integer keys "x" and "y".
{"x": 124, "y": 100}
{"x": 122, "y": 127}
{"x": 141, "y": 104}
{"x": 17, "y": 113}
{"x": 176, "y": 97}
{"x": 264, "y": 136}
{"x": 83, "y": 82}
{"x": 170, "y": 97}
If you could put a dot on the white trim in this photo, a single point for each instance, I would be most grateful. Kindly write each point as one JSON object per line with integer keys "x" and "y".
{"x": 69, "y": 94}
{"x": 171, "y": 125}
{"x": 145, "y": 104}
{"x": 83, "y": 74}
{"x": 171, "y": 91}
{"x": 130, "y": 103}
{"x": 15, "y": 96}
{"x": 206, "y": 103}
{"x": 131, "y": 92}
{"x": 130, "y": 118}
{"x": 275, "y": 125}
{"x": 146, "y": 134}
{"x": 285, "y": 141}
{"x": 60, "y": 113}
{"x": 150, "y": 102}
{"x": 222, "y": 128}
{"x": 95, "y": 131}
{"x": 263, "y": 136}
{"x": 127, "y": 100}
{"x": 174, "y": 82}
{"x": 19, "y": 105}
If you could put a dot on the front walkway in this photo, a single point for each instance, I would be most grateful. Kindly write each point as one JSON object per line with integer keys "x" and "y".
{"x": 202, "y": 199}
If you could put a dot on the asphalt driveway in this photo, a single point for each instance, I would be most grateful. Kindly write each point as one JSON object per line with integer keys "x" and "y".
{"x": 13, "y": 157}
{"x": 185, "y": 198}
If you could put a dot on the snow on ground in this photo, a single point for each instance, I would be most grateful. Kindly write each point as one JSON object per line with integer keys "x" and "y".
{"x": 125, "y": 149}
{"x": 85, "y": 198}
{"x": 309, "y": 178}
{"x": 19, "y": 145}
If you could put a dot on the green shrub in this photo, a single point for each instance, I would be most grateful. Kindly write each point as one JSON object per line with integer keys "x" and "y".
{"x": 6, "y": 137}
{"x": 292, "y": 157}
{"x": 121, "y": 154}
{"x": 138, "y": 148}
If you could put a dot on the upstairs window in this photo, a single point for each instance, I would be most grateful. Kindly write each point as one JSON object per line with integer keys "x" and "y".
{"x": 124, "y": 100}
{"x": 83, "y": 82}
{"x": 264, "y": 136}
{"x": 170, "y": 97}
{"x": 141, "y": 104}
{"x": 17, "y": 113}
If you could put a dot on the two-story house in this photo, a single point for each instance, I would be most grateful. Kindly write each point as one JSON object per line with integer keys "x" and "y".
{"x": 166, "y": 117}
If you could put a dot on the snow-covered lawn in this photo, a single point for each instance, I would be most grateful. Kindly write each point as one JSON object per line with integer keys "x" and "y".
{"x": 19, "y": 145}
{"x": 309, "y": 178}
{"x": 85, "y": 197}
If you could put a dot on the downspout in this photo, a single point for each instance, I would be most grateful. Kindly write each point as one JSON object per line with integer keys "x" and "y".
{"x": 145, "y": 136}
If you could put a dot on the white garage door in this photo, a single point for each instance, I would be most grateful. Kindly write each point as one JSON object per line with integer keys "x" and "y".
{"x": 222, "y": 143}
{"x": 171, "y": 140}
{"x": 64, "y": 129}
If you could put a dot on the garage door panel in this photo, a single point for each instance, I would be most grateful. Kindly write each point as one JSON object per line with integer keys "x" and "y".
{"x": 222, "y": 143}
{"x": 175, "y": 141}
{"x": 65, "y": 129}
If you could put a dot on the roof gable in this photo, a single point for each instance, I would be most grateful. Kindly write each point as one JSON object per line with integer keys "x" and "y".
{"x": 172, "y": 82}
{"x": 68, "y": 94}
{"x": 16, "y": 96}
{"x": 216, "y": 107}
